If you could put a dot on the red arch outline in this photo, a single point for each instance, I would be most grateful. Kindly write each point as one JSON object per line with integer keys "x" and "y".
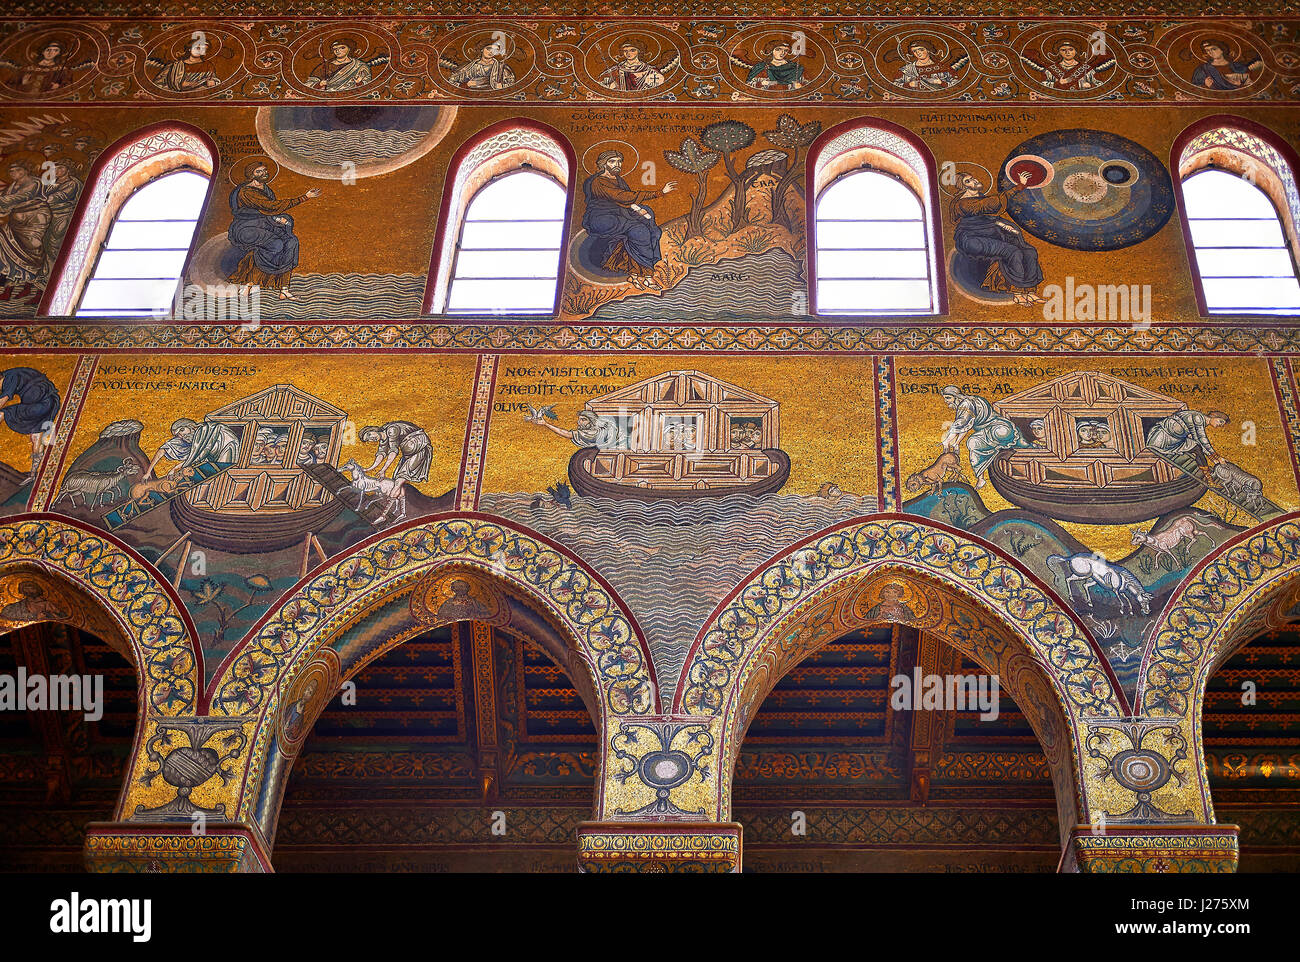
{"x": 1185, "y": 136}
{"x": 935, "y": 225}
{"x": 87, "y": 189}
{"x": 444, "y": 207}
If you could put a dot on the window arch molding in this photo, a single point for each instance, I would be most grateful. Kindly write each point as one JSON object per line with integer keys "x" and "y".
{"x": 1232, "y": 144}
{"x": 875, "y": 144}
{"x": 497, "y": 150}
{"x": 144, "y": 155}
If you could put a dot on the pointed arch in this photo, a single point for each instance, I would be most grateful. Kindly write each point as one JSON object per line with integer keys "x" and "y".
{"x": 141, "y": 158}
{"x": 1217, "y": 608}
{"x": 382, "y": 592}
{"x": 597, "y": 625}
{"x": 975, "y": 568}
{"x": 1250, "y": 585}
{"x": 141, "y": 604}
{"x": 981, "y": 602}
{"x": 486, "y": 161}
{"x": 444, "y": 595}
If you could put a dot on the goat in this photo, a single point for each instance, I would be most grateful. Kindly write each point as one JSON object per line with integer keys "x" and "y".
{"x": 96, "y": 486}
{"x": 1169, "y": 541}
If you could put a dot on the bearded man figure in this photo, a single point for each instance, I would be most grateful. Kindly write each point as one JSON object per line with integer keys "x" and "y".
{"x": 262, "y": 232}
{"x": 625, "y": 235}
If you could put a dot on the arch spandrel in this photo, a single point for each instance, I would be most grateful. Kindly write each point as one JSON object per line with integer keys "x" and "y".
{"x": 1210, "y": 612}
{"x": 980, "y": 602}
{"x": 1250, "y": 586}
{"x": 763, "y": 602}
{"x": 569, "y": 591}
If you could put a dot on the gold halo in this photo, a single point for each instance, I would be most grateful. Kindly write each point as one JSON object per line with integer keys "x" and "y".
{"x": 588, "y": 157}
{"x": 359, "y": 44}
{"x": 472, "y": 51}
{"x": 237, "y": 168}
{"x": 942, "y": 49}
{"x": 756, "y": 44}
{"x": 68, "y": 45}
{"x": 181, "y": 46}
{"x": 1233, "y": 49}
{"x": 642, "y": 41}
{"x": 1052, "y": 41}
{"x": 960, "y": 164}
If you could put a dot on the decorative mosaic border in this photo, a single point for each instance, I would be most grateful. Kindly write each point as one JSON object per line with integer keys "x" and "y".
{"x": 476, "y": 434}
{"x": 116, "y": 848}
{"x": 51, "y": 468}
{"x": 720, "y": 9}
{"x": 796, "y": 337}
{"x": 1199, "y": 849}
{"x": 1285, "y": 389}
{"x": 290, "y": 633}
{"x": 146, "y": 609}
{"x": 727, "y": 641}
{"x": 886, "y": 436}
{"x": 701, "y": 847}
{"x": 986, "y": 61}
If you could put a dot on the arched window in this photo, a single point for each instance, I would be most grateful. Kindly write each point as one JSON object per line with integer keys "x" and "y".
{"x": 1240, "y": 209}
{"x": 143, "y": 257}
{"x": 503, "y": 225}
{"x": 135, "y": 226}
{"x": 508, "y": 253}
{"x": 873, "y": 241}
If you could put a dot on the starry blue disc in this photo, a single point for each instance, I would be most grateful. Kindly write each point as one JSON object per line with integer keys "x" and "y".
{"x": 1106, "y": 192}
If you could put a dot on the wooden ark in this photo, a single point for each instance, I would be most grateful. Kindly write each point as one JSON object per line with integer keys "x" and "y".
{"x": 266, "y": 498}
{"x": 684, "y": 434}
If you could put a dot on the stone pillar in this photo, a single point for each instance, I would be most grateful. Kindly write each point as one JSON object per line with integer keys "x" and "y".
{"x": 181, "y": 810}
{"x": 1153, "y": 848}
{"x": 133, "y": 847}
{"x": 657, "y": 847}
{"x": 660, "y": 805}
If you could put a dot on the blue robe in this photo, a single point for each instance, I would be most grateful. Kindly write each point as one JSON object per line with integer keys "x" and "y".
{"x": 787, "y": 73}
{"x": 38, "y": 400}
{"x": 619, "y": 233}
{"x": 979, "y": 233}
{"x": 1218, "y": 79}
{"x": 268, "y": 249}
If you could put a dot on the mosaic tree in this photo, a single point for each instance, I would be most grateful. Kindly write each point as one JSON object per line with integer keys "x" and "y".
{"x": 792, "y": 137}
{"x": 727, "y": 137}
{"x": 693, "y": 159}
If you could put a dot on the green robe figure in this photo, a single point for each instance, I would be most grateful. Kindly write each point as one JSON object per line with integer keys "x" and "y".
{"x": 777, "y": 70}
{"x": 987, "y": 432}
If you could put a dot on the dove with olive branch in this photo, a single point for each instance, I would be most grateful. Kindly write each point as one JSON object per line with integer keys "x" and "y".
{"x": 538, "y": 415}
